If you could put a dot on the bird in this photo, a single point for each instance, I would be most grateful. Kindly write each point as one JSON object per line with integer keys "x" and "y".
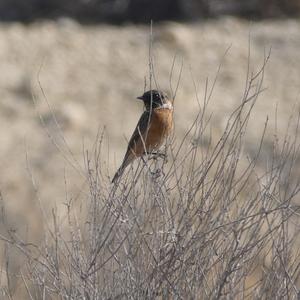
{"x": 153, "y": 127}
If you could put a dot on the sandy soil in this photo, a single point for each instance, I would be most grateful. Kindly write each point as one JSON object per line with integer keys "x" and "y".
{"x": 91, "y": 76}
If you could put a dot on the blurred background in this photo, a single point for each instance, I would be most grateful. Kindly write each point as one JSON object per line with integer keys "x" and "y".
{"x": 119, "y": 11}
{"x": 72, "y": 68}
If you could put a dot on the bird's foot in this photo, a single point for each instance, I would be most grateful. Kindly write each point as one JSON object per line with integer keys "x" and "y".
{"x": 155, "y": 155}
{"x": 156, "y": 174}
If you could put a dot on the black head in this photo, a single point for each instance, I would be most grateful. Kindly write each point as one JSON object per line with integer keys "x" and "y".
{"x": 153, "y": 99}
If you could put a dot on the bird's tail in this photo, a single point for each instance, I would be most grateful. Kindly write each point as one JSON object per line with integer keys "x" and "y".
{"x": 118, "y": 174}
{"x": 127, "y": 160}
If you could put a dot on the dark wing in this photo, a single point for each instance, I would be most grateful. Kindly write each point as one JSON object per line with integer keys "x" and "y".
{"x": 140, "y": 130}
{"x": 134, "y": 143}
{"x": 137, "y": 138}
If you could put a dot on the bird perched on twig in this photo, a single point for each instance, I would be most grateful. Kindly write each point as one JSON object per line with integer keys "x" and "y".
{"x": 155, "y": 124}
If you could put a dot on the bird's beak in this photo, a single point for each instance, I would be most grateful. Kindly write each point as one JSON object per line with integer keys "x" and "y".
{"x": 140, "y": 98}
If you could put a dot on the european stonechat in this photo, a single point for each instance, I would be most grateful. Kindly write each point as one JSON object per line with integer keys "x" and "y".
{"x": 155, "y": 124}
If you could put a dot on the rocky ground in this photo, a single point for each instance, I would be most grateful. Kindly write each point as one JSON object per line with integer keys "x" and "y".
{"x": 90, "y": 77}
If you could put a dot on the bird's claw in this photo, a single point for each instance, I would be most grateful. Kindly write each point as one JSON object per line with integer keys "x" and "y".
{"x": 156, "y": 155}
{"x": 156, "y": 174}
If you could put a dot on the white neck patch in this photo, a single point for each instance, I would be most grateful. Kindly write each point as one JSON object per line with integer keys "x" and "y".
{"x": 167, "y": 105}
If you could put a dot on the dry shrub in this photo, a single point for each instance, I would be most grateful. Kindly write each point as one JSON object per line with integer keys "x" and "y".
{"x": 201, "y": 223}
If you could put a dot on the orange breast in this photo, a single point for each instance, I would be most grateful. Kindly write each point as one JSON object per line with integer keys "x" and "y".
{"x": 161, "y": 126}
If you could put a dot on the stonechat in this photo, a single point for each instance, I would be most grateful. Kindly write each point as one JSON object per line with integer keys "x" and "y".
{"x": 155, "y": 124}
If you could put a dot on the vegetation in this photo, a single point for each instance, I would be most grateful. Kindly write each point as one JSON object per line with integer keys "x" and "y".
{"x": 204, "y": 222}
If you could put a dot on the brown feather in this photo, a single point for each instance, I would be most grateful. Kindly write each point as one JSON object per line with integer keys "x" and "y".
{"x": 148, "y": 135}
